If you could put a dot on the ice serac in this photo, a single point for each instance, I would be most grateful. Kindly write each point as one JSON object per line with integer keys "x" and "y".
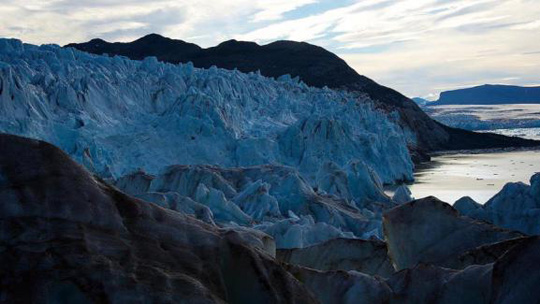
{"x": 271, "y": 198}
{"x": 402, "y": 195}
{"x": 516, "y": 206}
{"x": 431, "y": 231}
{"x": 67, "y": 236}
{"x": 466, "y": 205}
{"x": 318, "y": 153}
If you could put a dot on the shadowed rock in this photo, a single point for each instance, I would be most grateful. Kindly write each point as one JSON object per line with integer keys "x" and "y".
{"x": 517, "y": 273}
{"x": 67, "y": 236}
{"x": 431, "y": 284}
{"x": 510, "y": 278}
{"x": 342, "y": 286}
{"x": 366, "y": 256}
{"x": 466, "y": 205}
{"x": 488, "y": 253}
{"x": 431, "y": 231}
{"x": 421, "y": 284}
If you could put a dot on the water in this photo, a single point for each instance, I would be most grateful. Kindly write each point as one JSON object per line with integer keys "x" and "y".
{"x": 480, "y": 176}
{"x": 487, "y": 117}
{"x": 530, "y": 133}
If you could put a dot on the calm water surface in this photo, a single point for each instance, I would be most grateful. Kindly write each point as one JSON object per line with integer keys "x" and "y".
{"x": 530, "y": 133}
{"x": 480, "y": 176}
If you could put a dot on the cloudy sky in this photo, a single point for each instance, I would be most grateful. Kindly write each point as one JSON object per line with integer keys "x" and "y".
{"x": 419, "y": 47}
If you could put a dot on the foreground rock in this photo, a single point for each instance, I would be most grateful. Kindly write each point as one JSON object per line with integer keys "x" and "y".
{"x": 342, "y": 287}
{"x": 65, "y": 236}
{"x": 68, "y": 237}
{"x": 369, "y": 257}
{"x": 512, "y": 278}
{"x": 516, "y": 275}
{"x": 431, "y": 231}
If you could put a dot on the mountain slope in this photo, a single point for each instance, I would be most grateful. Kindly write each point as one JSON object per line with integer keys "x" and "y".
{"x": 314, "y": 65}
{"x": 490, "y": 94}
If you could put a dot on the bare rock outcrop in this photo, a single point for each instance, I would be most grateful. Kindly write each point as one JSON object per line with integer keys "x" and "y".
{"x": 433, "y": 232}
{"x": 66, "y": 236}
{"x": 366, "y": 256}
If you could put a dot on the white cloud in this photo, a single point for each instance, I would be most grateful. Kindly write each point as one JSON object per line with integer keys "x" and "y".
{"x": 533, "y": 25}
{"x": 274, "y": 9}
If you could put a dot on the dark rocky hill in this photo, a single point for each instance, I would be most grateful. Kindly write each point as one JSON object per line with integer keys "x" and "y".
{"x": 490, "y": 94}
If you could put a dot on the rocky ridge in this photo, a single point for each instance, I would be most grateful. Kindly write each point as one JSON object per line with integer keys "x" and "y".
{"x": 68, "y": 236}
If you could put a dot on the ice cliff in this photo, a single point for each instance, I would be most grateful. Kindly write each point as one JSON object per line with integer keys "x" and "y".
{"x": 116, "y": 115}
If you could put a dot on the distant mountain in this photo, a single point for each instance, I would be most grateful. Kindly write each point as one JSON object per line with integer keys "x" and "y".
{"x": 315, "y": 66}
{"x": 420, "y": 101}
{"x": 490, "y": 94}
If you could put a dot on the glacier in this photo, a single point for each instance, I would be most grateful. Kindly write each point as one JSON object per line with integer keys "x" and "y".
{"x": 285, "y": 181}
{"x": 302, "y": 164}
{"x": 116, "y": 115}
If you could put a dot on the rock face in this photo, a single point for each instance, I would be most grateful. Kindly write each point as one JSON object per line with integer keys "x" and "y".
{"x": 430, "y": 284}
{"x": 366, "y": 256}
{"x": 516, "y": 207}
{"x": 313, "y": 65}
{"x": 343, "y": 287}
{"x": 66, "y": 236}
{"x": 510, "y": 278}
{"x": 431, "y": 231}
{"x": 516, "y": 275}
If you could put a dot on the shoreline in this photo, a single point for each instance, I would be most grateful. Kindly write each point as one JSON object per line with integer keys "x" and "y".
{"x": 482, "y": 151}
